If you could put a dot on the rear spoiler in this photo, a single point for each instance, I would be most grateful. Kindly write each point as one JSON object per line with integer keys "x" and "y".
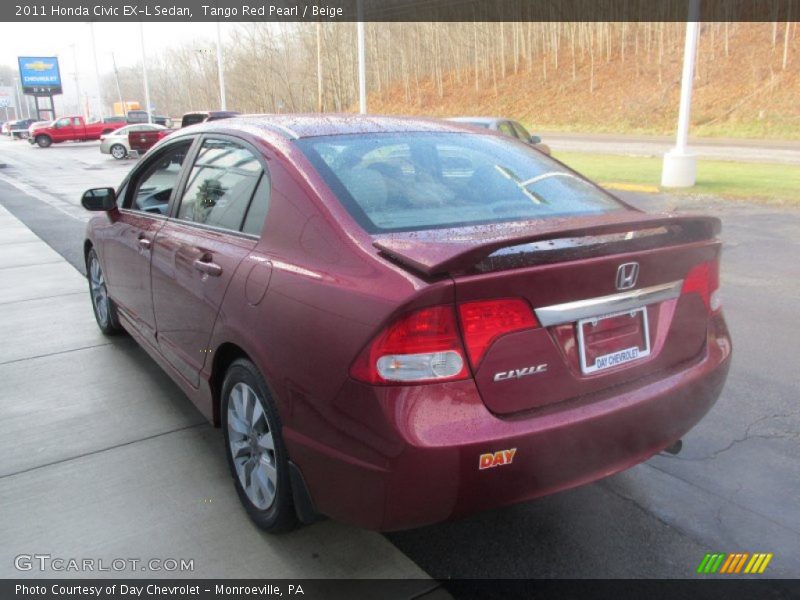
{"x": 443, "y": 251}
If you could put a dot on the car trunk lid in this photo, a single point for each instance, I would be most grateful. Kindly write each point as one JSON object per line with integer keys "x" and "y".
{"x": 606, "y": 292}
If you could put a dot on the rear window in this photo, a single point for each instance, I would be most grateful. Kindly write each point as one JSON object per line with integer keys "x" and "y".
{"x": 412, "y": 181}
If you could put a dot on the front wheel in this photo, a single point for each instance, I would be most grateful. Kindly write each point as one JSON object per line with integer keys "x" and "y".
{"x": 254, "y": 447}
{"x": 105, "y": 313}
{"x": 119, "y": 151}
{"x": 43, "y": 141}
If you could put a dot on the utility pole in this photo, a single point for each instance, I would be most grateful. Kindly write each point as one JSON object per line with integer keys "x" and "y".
{"x": 100, "y": 102}
{"x": 144, "y": 74}
{"x": 220, "y": 71}
{"x": 680, "y": 165}
{"x": 362, "y": 66}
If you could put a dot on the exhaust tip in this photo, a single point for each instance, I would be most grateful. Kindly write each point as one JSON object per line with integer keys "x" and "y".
{"x": 674, "y": 448}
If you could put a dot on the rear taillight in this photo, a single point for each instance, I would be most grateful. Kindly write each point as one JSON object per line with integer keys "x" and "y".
{"x": 703, "y": 279}
{"x": 423, "y": 346}
{"x": 484, "y": 321}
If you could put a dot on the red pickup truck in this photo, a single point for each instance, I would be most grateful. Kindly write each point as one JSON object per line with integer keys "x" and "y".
{"x": 70, "y": 129}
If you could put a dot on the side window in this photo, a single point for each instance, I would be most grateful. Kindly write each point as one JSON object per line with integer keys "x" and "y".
{"x": 522, "y": 133}
{"x": 63, "y": 122}
{"x": 220, "y": 185}
{"x": 151, "y": 189}
{"x": 257, "y": 213}
{"x": 505, "y": 128}
{"x": 76, "y": 122}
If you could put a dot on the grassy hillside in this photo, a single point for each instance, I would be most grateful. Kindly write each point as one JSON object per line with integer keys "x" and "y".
{"x": 741, "y": 88}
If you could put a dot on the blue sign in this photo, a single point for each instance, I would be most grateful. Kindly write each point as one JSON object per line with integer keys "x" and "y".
{"x": 39, "y": 75}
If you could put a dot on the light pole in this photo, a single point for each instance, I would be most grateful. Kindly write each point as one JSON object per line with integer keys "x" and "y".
{"x": 680, "y": 165}
{"x": 362, "y": 61}
{"x": 100, "y": 102}
{"x": 220, "y": 71}
{"x": 81, "y": 105}
{"x": 16, "y": 95}
{"x": 144, "y": 74}
{"x": 319, "y": 68}
{"x": 123, "y": 106}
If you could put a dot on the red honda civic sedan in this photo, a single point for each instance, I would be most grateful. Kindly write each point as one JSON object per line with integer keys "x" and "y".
{"x": 401, "y": 321}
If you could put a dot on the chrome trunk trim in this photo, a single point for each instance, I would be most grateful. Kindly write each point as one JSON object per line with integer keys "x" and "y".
{"x": 592, "y": 307}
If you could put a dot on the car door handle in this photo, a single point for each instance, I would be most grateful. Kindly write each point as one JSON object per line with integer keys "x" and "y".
{"x": 145, "y": 243}
{"x": 204, "y": 265}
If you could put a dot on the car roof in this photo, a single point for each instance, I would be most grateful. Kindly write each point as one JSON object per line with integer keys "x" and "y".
{"x": 483, "y": 120}
{"x": 295, "y": 126}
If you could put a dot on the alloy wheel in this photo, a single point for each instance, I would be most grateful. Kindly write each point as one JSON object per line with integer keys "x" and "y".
{"x": 97, "y": 283}
{"x": 118, "y": 151}
{"x": 252, "y": 446}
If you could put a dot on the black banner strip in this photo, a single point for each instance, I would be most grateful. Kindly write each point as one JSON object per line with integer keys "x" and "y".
{"x": 396, "y": 10}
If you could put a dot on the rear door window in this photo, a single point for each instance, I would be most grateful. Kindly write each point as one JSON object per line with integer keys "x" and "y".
{"x": 220, "y": 185}
{"x": 259, "y": 206}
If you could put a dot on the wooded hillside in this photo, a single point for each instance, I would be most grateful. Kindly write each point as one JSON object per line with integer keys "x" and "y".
{"x": 570, "y": 76}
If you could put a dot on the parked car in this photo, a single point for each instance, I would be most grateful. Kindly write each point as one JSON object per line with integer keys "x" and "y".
{"x": 141, "y": 141}
{"x": 397, "y": 321}
{"x": 69, "y": 129}
{"x": 19, "y": 129}
{"x": 140, "y": 116}
{"x": 117, "y": 142}
{"x": 507, "y": 127}
{"x": 193, "y": 118}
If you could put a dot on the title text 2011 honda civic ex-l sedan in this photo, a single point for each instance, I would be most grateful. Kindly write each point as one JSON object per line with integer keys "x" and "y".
{"x": 398, "y": 321}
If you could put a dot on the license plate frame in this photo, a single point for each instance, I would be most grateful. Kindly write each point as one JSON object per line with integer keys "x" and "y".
{"x": 618, "y": 357}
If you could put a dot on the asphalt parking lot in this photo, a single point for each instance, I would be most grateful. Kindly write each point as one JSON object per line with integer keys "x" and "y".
{"x": 104, "y": 457}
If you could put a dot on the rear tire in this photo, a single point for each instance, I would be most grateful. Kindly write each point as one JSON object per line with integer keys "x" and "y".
{"x": 255, "y": 450}
{"x": 43, "y": 141}
{"x": 105, "y": 311}
{"x": 118, "y": 151}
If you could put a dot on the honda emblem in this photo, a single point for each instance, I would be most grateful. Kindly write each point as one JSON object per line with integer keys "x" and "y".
{"x": 627, "y": 274}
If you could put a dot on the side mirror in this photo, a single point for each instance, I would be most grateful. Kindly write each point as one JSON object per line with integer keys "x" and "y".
{"x": 535, "y": 139}
{"x": 99, "y": 199}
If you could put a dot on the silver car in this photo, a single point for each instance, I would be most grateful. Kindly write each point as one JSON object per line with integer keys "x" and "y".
{"x": 512, "y": 129}
{"x": 116, "y": 142}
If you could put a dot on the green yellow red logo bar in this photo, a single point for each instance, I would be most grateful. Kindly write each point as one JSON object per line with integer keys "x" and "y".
{"x": 735, "y": 563}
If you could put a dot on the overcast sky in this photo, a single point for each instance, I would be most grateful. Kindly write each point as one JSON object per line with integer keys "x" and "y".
{"x": 56, "y": 39}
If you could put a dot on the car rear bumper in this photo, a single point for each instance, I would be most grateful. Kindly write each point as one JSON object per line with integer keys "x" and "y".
{"x": 416, "y": 460}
